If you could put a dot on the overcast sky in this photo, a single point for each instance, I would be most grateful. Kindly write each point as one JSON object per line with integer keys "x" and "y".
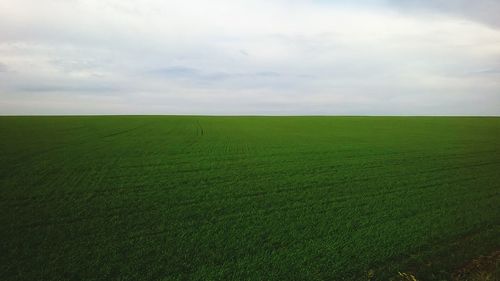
{"x": 369, "y": 57}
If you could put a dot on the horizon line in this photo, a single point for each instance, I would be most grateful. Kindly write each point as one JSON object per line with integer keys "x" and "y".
{"x": 239, "y": 115}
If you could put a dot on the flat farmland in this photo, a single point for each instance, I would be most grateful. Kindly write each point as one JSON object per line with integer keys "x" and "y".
{"x": 246, "y": 198}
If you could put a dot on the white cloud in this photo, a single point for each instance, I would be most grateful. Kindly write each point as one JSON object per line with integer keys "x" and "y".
{"x": 244, "y": 57}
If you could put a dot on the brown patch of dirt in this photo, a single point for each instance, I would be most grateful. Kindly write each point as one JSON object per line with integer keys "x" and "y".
{"x": 482, "y": 268}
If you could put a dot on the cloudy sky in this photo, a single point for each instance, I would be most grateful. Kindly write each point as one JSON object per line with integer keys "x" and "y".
{"x": 368, "y": 57}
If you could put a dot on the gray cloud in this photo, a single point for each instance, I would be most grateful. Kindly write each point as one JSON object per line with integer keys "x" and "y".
{"x": 57, "y": 88}
{"x": 485, "y": 71}
{"x": 483, "y": 11}
{"x": 189, "y": 73}
{"x": 176, "y": 72}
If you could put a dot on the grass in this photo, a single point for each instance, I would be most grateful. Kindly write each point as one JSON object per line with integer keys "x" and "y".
{"x": 246, "y": 198}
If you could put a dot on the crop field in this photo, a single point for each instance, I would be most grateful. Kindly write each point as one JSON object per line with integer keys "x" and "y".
{"x": 246, "y": 198}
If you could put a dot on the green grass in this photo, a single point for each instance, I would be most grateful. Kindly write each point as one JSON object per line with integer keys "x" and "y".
{"x": 246, "y": 198}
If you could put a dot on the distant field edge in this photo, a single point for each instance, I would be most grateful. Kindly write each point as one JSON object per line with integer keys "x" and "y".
{"x": 241, "y": 115}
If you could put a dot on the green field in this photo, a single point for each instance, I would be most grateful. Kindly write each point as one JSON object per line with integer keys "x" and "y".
{"x": 246, "y": 198}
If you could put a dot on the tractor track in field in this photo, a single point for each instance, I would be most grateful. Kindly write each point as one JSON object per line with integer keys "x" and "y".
{"x": 121, "y": 132}
{"x": 256, "y": 213}
{"x": 144, "y": 189}
{"x": 193, "y": 140}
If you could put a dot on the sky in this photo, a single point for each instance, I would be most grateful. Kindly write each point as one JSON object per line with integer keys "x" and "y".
{"x": 260, "y": 57}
